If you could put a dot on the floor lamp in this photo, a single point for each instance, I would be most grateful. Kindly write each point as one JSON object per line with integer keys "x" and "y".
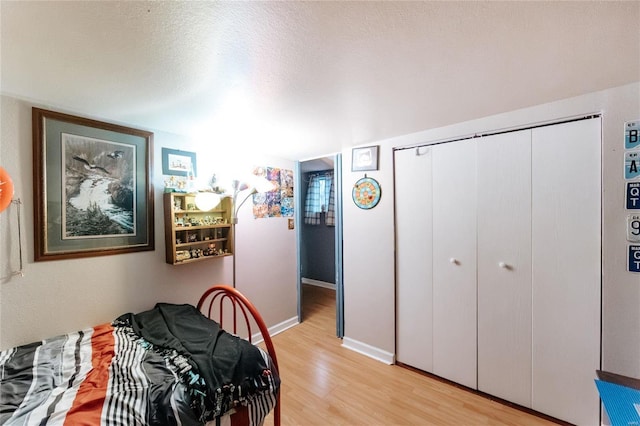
{"x": 237, "y": 187}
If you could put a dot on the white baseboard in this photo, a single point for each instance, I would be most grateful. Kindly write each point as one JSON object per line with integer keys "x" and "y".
{"x": 278, "y": 328}
{"x": 368, "y": 350}
{"x": 318, "y": 283}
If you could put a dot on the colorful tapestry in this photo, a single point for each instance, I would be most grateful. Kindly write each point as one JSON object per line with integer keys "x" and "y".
{"x": 279, "y": 201}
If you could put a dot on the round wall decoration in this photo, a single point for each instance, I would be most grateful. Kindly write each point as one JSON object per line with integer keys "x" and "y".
{"x": 6, "y": 189}
{"x": 366, "y": 193}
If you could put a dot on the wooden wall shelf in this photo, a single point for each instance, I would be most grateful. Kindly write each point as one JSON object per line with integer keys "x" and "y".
{"x": 193, "y": 235}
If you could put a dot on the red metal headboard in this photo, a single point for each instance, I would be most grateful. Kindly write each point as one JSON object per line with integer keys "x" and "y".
{"x": 216, "y": 298}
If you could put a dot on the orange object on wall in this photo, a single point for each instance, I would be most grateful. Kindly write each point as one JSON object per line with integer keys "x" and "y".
{"x": 6, "y": 189}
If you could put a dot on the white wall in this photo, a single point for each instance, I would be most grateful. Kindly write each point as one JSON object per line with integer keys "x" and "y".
{"x": 60, "y": 296}
{"x": 266, "y": 259}
{"x": 369, "y": 234}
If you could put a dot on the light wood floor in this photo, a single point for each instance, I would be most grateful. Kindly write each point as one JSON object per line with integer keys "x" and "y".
{"x": 326, "y": 384}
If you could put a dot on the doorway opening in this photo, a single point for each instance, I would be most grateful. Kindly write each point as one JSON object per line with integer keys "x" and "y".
{"x": 319, "y": 218}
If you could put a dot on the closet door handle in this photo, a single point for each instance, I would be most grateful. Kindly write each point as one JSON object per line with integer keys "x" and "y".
{"x": 454, "y": 261}
{"x": 503, "y": 265}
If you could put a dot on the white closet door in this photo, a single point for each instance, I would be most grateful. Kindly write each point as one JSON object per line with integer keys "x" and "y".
{"x": 454, "y": 262}
{"x": 504, "y": 266}
{"x": 566, "y": 248}
{"x": 413, "y": 257}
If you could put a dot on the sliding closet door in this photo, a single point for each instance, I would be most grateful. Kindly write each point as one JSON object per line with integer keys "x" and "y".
{"x": 414, "y": 284}
{"x": 504, "y": 266}
{"x": 454, "y": 262}
{"x": 566, "y": 248}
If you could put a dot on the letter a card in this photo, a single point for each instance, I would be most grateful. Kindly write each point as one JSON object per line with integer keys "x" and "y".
{"x": 631, "y": 164}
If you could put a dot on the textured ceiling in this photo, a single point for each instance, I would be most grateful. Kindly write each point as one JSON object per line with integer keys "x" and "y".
{"x": 305, "y": 79}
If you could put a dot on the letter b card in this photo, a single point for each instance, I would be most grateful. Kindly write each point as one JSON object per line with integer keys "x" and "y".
{"x": 632, "y": 135}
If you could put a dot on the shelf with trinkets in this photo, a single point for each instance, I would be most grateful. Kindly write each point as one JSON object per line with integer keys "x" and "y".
{"x": 195, "y": 231}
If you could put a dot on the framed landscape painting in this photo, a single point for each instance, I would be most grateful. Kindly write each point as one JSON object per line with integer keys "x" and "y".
{"x": 92, "y": 188}
{"x": 178, "y": 163}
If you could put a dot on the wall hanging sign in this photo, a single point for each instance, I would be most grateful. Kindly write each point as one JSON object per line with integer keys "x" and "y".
{"x": 632, "y": 134}
{"x": 634, "y": 259}
{"x": 632, "y": 193}
{"x": 631, "y": 164}
{"x": 366, "y": 193}
{"x": 633, "y": 228}
{"x": 92, "y": 187}
{"x": 633, "y": 196}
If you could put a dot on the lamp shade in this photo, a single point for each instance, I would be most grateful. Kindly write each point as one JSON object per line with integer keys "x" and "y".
{"x": 264, "y": 185}
{"x": 206, "y": 201}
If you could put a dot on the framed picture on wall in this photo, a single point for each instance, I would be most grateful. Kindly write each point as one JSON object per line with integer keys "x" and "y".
{"x": 178, "y": 163}
{"x": 92, "y": 187}
{"x": 364, "y": 159}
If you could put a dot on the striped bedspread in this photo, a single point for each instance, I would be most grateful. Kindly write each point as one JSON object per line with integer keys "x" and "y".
{"x": 109, "y": 375}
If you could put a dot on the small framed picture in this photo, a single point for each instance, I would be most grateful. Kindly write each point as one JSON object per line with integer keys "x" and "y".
{"x": 178, "y": 163}
{"x": 364, "y": 159}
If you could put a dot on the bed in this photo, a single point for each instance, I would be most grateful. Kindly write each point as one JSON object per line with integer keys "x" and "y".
{"x": 170, "y": 365}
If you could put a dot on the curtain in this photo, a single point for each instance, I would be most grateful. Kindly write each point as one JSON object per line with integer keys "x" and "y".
{"x": 312, "y": 214}
{"x": 320, "y": 199}
{"x": 330, "y": 219}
